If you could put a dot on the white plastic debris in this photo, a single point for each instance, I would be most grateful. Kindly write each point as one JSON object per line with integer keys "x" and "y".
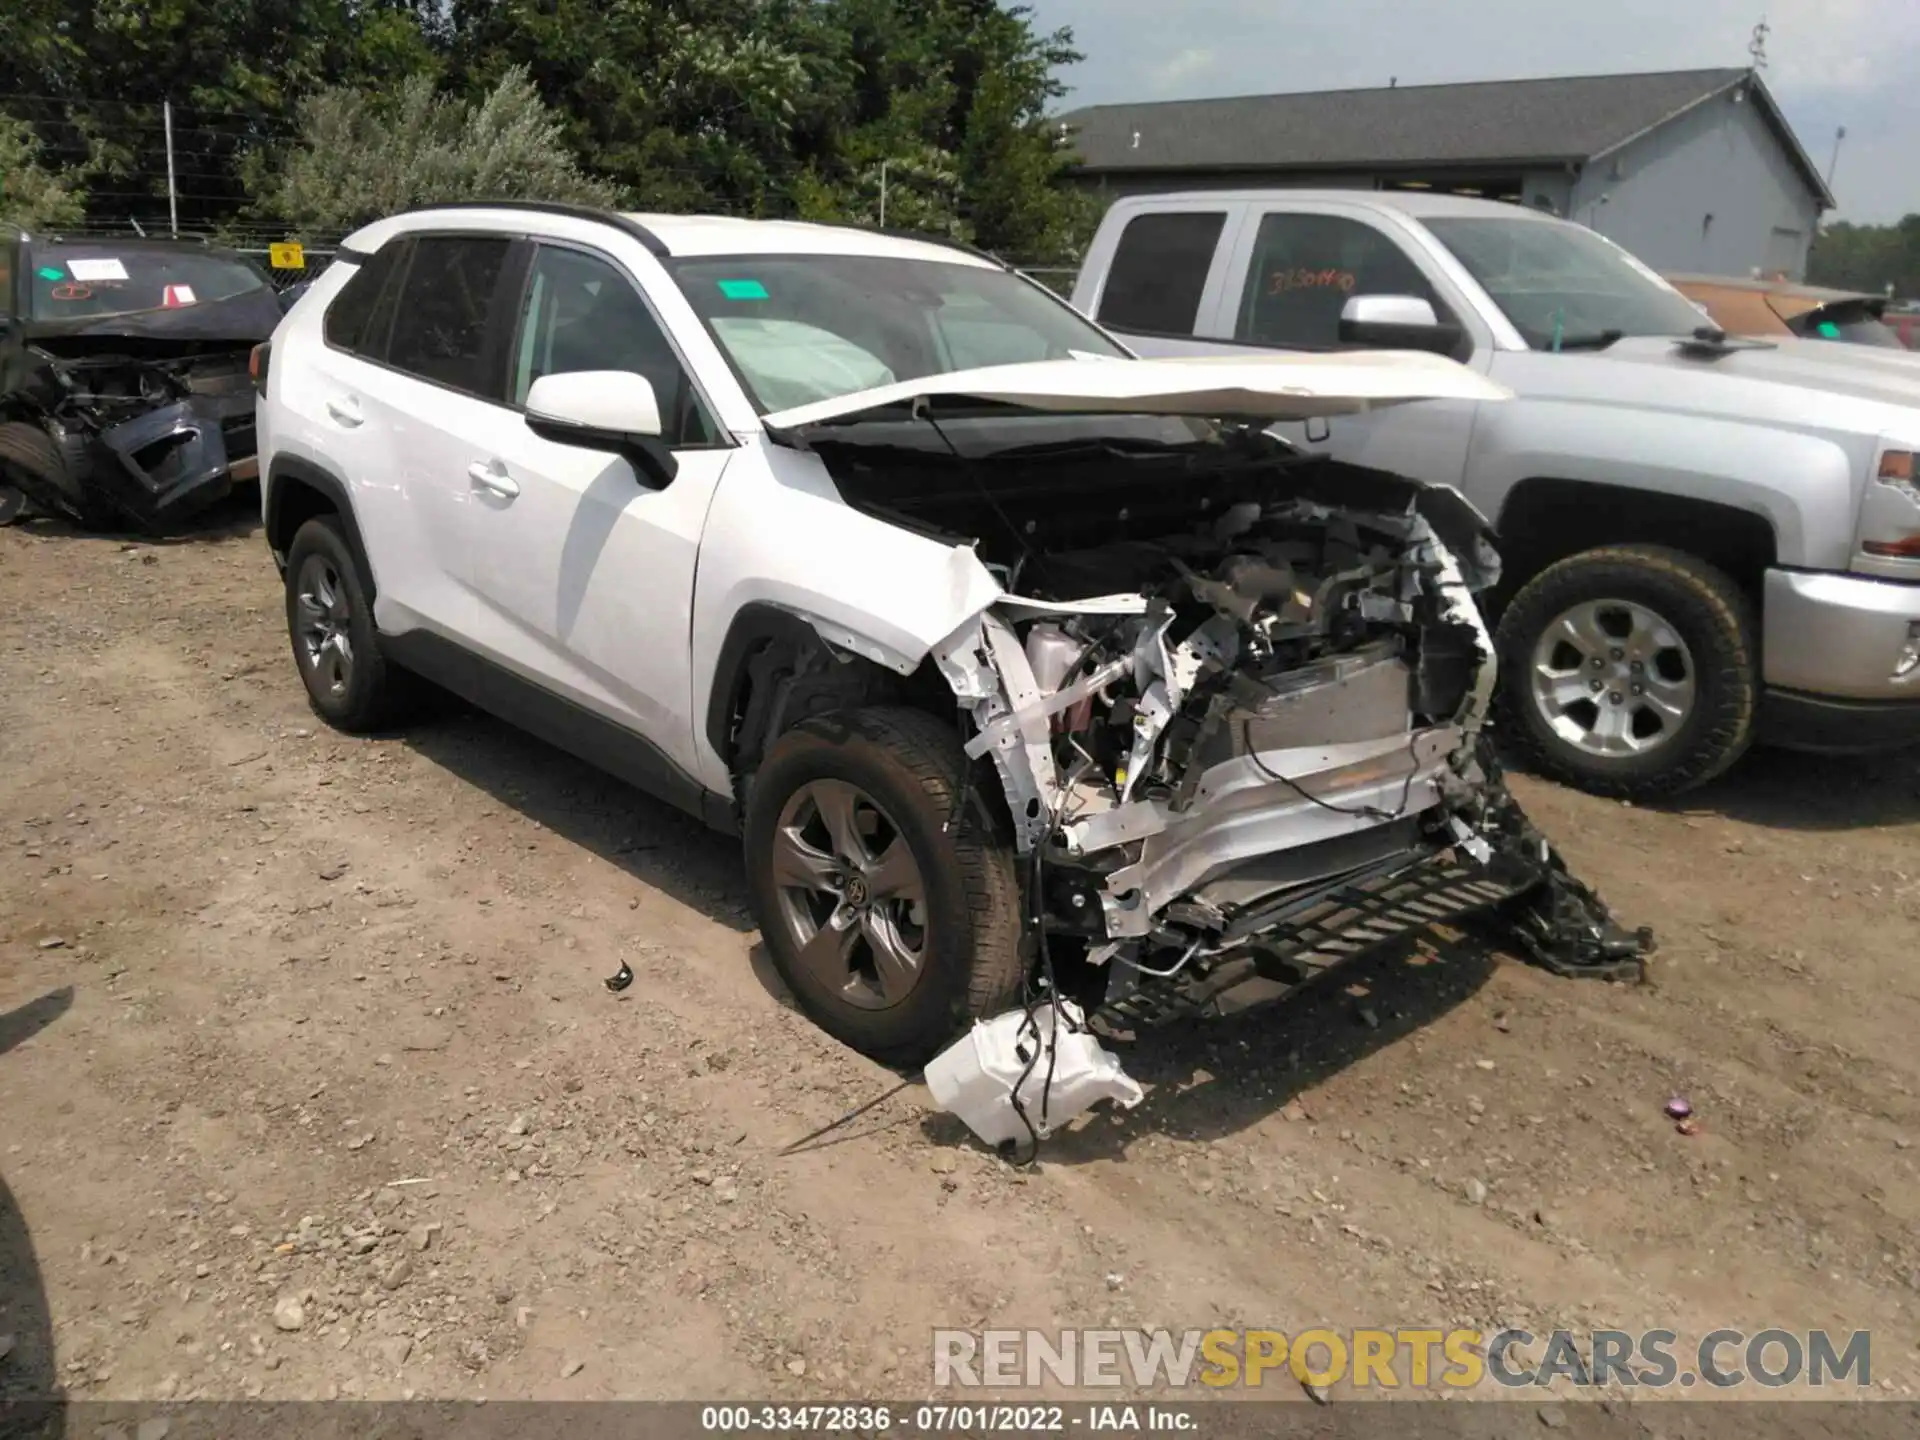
{"x": 975, "y": 1078}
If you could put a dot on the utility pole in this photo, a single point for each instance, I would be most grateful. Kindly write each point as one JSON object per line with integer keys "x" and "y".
{"x": 173, "y": 194}
{"x": 1834, "y": 163}
{"x": 883, "y": 194}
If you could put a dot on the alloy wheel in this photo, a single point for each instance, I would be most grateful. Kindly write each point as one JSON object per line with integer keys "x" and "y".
{"x": 1613, "y": 678}
{"x": 851, "y": 896}
{"x": 326, "y": 648}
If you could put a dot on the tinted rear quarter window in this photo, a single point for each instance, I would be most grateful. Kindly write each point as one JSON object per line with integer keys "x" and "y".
{"x": 446, "y": 303}
{"x": 362, "y": 313}
{"x": 1159, "y": 271}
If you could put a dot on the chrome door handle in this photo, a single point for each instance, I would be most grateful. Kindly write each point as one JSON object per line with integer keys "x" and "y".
{"x": 345, "y": 410}
{"x": 491, "y": 476}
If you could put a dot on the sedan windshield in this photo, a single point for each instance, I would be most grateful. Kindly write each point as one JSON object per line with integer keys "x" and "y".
{"x": 1563, "y": 286}
{"x": 92, "y": 281}
{"x": 804, "y": 328}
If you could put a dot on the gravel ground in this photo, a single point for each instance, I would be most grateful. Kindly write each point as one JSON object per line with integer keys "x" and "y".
{"x": 310, "y": 1086}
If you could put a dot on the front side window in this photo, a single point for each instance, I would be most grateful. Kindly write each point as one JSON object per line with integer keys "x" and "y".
{"x": 1561, "y": 285}
{"x": 440, "y": 327}
{"x": 1159, "y": 272}
{"x": 1304, "y": 270}
{"x": 581, "y": 313}
{"x": 805, "y": 328}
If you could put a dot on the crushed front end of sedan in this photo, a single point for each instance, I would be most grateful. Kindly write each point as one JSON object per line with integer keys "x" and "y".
{"x": 1236, "y": 696}
{"x": 124, "y": 389}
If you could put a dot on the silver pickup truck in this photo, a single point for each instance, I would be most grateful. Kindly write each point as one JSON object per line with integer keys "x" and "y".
{"x": 1706, "y": 541}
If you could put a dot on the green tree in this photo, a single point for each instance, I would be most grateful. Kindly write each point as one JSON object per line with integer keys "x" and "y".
{"x": 1868, "y": 257}
{"x": 363, "y": 154}
{"x": 32, "y": 195}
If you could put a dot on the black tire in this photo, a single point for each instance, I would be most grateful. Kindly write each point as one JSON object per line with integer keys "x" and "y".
{"x": 1711, "y": 615}
{"x": 13, "y": 504}
{"x": 912, "y": 768}
{"x": 32, "y": 463}
{"x": 377, "y": 694}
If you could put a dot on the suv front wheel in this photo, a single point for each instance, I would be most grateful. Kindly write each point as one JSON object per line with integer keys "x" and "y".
{"x": 350, "y": 683}
{"x": 892, "y": 919}
{"x": 1629, "y": 671}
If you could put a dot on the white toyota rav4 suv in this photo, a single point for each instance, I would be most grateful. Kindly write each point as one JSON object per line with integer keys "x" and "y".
{"x": 1019, "y": 663}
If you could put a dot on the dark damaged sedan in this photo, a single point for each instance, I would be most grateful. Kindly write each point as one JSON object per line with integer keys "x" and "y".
{"x": 124, "y": 393}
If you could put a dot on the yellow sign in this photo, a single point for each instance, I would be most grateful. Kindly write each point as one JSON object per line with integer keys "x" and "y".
{"x": 288, "y": 256}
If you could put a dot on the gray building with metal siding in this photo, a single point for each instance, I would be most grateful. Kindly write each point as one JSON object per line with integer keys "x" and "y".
{"x": 1693, "y": 170}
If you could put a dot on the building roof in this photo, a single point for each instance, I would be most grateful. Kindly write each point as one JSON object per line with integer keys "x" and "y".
{"x": 1567, "y": 120}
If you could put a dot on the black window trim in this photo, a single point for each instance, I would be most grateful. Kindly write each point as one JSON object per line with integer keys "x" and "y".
{"x": 727, "y": 440}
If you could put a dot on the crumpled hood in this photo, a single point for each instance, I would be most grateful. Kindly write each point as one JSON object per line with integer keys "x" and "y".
{"x": 1810, "y": 384}
{"x": 1253, "y": 387}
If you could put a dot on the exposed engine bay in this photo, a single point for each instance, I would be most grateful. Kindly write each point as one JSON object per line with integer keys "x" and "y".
{"x": 144, "y": 429}
{"x": 1236, "y": 697}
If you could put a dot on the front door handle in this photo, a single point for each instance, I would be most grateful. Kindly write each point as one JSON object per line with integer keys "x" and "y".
{"x": 491, "y": 476}
{"x": 345, "y": 410}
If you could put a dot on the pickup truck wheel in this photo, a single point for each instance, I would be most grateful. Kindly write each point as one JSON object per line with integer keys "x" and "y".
{"x": 350, "y": 684}
{"x": 891, "y": 927}
{"x": 1629, "y": 671}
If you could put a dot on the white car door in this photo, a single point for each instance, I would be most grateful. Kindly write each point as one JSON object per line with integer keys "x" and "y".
{"x": 430, "y": 390}
{"x": 582, "y": 566}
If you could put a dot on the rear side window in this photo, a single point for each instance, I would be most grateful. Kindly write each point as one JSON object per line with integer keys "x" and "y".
{"x": 1159, "y": 271}
{"x": 446, "y": 301}
{"x": 362, "y": 313}
{"x": 1855, "y": 322}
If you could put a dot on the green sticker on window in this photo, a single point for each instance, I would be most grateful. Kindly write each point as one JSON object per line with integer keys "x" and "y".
{"x": 743, "y": 289}
{"x": 1828, "y": 329}
{"x": 52, "y": 272}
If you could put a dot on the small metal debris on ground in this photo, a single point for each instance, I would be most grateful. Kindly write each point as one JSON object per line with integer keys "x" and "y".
{"x": 1678, "y": 1109}
{"x": 1688, "y": 1127}
{"x": 620, "y": 979}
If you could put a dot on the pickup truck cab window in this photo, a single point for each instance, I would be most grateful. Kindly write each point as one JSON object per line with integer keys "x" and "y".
{"x": 1304, "y": 269}
{"x": 1159, "y": 271}
{"x": 884, "y": 316}
{"x": 1562, "y": 286}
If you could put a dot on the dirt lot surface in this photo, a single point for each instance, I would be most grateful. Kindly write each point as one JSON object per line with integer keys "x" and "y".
{"x": 311, "y": 1088}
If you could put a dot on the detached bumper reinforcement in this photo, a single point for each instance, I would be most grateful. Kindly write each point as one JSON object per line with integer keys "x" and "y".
{"x": 1556, "y": 922}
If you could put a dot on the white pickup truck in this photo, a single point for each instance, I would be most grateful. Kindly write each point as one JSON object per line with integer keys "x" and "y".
{"x": 1706, "y": 541}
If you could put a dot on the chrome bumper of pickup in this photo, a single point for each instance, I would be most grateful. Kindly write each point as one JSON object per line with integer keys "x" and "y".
{"x": 1840, "y": 637}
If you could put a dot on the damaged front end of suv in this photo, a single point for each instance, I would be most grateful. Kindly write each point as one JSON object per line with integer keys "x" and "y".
{"x": 124, "y": 386}
{"x": 1236, "y": 697}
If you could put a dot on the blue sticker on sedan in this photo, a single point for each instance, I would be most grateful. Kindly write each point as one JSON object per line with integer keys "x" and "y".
{"x": 743, "y": 289}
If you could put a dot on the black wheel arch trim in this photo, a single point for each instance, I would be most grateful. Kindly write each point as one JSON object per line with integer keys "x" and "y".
{"x": 756, "y": 624}
{"x": 290, "y": 471}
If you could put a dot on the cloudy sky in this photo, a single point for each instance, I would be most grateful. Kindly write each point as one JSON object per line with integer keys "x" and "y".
{"x": 1830, "y": 62}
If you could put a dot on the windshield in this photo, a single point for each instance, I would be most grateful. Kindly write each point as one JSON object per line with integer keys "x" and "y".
{"x": 1562, "y": 281}
{"x": 89, "y": 282}
{"x": 804, "y": 328}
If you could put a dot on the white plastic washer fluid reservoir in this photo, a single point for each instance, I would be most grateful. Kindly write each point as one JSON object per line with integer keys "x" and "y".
{"x": 975, "y": 1077}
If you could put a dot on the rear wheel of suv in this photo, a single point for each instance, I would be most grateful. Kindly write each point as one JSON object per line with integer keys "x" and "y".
{"x": 350, "y": 683}
{"x": 892, "y": 927}
{"x": 1629, "y": 671}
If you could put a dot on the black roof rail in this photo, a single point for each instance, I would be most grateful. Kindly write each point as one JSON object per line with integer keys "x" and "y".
{"x": 655, "y": 245}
